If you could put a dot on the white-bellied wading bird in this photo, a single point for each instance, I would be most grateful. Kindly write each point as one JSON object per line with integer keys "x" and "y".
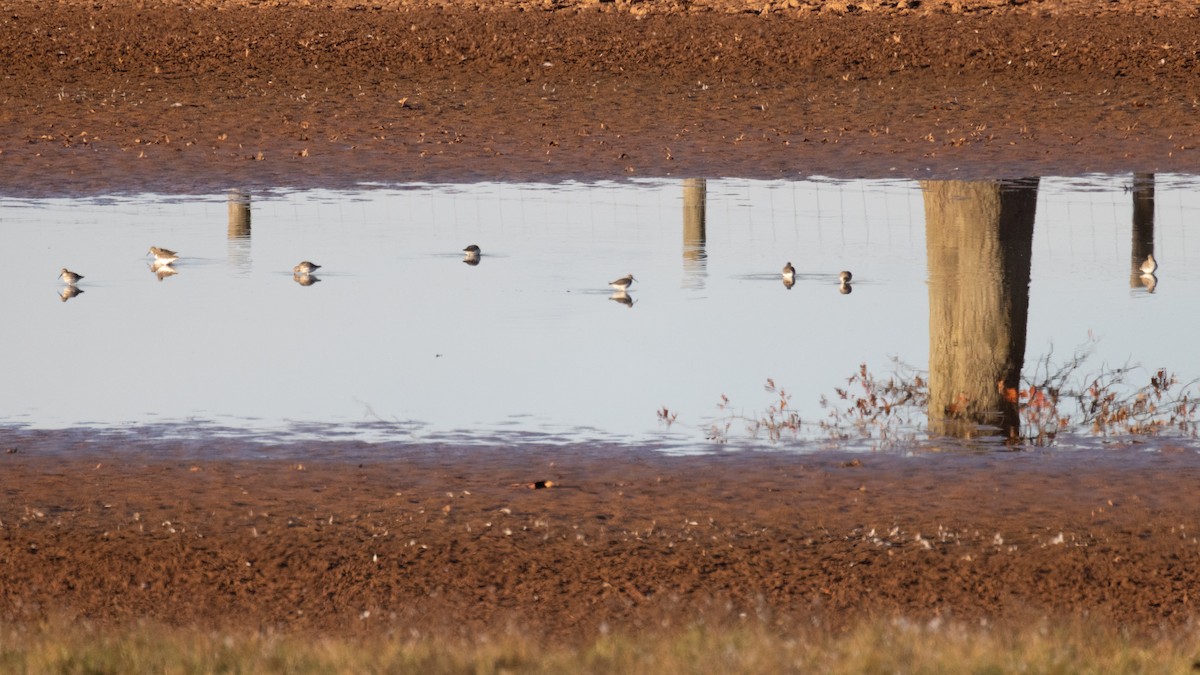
{"x": 623, "y": 283}
{"x": 789, "y": 272}
{"x": 163, "y": 256}
{"x": 471, "y": 254}
{"x": 1150, "y": 266}
{"x": 306, "y": 268}
{"x": 69, "y": 276}
{"x": 845, "y": 276}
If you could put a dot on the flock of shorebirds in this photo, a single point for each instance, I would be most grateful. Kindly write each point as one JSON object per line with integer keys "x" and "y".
{"x": 303, "y": 274}
{"x": 844, "y": 277}
{"x": 161, "y": 266}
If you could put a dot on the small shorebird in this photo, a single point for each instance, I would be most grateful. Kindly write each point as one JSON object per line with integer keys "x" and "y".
{"x": 163, "y": 256}
{"x": 845, "y": 276}
{"x": 623, "y": 283}
{"x": 70, "y": 277}
{"x": 305, "y": 268}
{"x": 471, "y": 254}
{"x": 789, "y": 272}
{"x": 1150, "y": 266}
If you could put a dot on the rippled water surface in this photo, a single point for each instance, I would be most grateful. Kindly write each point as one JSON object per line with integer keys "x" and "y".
{"x": 399, "y": 330}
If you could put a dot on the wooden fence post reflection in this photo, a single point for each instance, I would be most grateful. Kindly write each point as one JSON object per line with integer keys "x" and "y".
{"x": 695, "y": 194}
{"x": 979, "y": 241}
{"x": 238, "y": 228}
{"x": 1143, "y": 226}
{"x": 239, "y": 214}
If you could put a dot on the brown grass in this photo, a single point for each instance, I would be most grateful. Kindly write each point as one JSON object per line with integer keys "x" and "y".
{"x": 1044, "y": 646}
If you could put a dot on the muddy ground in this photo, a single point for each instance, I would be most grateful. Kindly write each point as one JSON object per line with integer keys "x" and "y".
{"x": 207, "y": 95}
{"x": 464, "y": 544}
{"x": 187, "y": 97}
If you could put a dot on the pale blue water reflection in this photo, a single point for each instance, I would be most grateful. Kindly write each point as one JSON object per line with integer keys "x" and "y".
{"x": 400, "y": 330}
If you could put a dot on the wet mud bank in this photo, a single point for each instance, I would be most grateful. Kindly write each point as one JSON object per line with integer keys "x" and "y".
{"x": 565, "y": 542}
{"x": 161, "y": 96}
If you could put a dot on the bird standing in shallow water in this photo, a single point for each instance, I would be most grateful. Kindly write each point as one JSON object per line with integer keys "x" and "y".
{"x": 623, "y": 283}
{"x": 69, "y": 276}
{"x": 471, "y": 254}
{"x": 305, "y": 267}
{"x": 1150, "y": 266}
{"x": 845, "y": 276}
{"x": 789, "y": 272}
{"x": 163, "y": 256}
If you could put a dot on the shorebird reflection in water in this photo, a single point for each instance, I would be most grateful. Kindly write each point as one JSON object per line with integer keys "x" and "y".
{"x": 162, "y": 270}
{"x": 69, "y": 276}
{"x": 1150, "y": 266}
{"x": 471, "y": 254}
{"x": 163, "y": 256}
{"x": 305, "y": 267}
{"x": 623, "y": 283}
{"x": 1149, "y": 282}
{"x": 69, "y": 292}
{"x": 304, "y": 279}
{"x": 623, "y": 298}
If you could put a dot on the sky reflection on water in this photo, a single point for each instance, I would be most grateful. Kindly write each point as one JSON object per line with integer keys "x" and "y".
{"x": 400, "y": 330}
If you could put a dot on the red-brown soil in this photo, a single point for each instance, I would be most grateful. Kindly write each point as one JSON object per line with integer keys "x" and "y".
{"x": 207, "y": 95}
{"x": 459, "y": 543}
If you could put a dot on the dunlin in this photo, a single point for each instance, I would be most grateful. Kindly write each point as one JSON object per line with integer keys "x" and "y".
{"x": 471, "y": 253}
{"x": 1150, "y": 266}
{"x": 845, "y": 276}
{"x": 623, "y": 283}
{"x": 789, "y": 272}
{"x": 163, "y": 256}
{"x": 305, "y": 268}
{"x": 69, "y": 276}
